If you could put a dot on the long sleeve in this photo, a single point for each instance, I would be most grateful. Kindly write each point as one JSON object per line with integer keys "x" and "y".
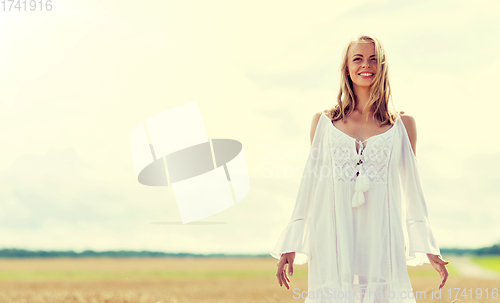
{"x": 420, "y": 236}
{"x": 296, "y": 237}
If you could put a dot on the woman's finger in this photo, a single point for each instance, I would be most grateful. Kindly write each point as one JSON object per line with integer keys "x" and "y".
{"x": 445, "y": 275}
{"x": 441, "y": 261}
{"x": 279, "y": 274}
{"x": 283, "y": 274}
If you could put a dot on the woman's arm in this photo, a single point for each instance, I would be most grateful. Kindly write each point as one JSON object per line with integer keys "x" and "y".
{"x": 293, "y": 245}
{"x": 315, "y": 121}
{"x": 411, "y": 129}
{"x": 436, "y": 260}
{"x": 314, "y": 124}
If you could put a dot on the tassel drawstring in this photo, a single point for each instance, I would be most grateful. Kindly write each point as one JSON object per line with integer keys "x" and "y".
{"x": 362, "y": 184}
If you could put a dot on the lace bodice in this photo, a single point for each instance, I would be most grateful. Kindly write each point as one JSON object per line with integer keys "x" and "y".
{"x": 352, "y": 157}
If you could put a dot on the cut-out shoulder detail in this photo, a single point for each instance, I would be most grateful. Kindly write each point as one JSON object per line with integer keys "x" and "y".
{"x": 314, "y": 125}
{"x": 315, "y": 121}
{"x": 411, "y": 129}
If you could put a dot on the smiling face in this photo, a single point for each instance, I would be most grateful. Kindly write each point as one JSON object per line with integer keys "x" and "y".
{"x": 362, "y": 63}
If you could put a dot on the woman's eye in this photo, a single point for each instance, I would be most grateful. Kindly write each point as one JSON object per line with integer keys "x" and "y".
{"x": 357, "y": 59}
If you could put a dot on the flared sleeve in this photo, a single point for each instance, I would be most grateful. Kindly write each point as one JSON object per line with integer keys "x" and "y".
{"x": 296, "y": 237}
{"x": 420, "y": 239}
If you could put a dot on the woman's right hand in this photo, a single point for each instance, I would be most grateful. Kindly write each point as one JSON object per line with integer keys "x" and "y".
{"x": 285, "y": 259}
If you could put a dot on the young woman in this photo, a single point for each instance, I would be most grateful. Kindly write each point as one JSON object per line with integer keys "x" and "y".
{"x": 351, "y": 222}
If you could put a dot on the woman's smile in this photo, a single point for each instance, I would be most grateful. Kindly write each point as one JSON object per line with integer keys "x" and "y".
{"x": 366, "y": 75}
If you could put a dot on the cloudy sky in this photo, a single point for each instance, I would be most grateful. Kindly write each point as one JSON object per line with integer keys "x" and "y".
{"x": 76, "y": 80}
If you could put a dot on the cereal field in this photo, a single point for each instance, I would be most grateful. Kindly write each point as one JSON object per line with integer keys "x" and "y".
{"x": 187, "y": 280}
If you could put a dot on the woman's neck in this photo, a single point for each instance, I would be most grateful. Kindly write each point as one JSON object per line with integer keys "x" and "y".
{"x": 362, "y": 94}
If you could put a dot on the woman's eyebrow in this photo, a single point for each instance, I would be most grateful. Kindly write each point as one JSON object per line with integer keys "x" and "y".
{"x": 362, "y": 55}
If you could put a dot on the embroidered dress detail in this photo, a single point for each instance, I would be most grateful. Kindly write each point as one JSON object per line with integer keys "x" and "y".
{"x": 372, "y": 160}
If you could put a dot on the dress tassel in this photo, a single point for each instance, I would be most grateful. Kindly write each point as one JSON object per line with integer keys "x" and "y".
{"x": 362, "y": 185}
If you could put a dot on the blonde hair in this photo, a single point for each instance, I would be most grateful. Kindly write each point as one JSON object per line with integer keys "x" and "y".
{"x": 380, "y": 90}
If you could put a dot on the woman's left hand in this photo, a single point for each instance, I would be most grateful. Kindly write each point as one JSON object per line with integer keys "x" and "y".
{"x": 440, "y": 265}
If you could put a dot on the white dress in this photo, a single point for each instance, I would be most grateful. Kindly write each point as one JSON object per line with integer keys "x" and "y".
{"x": 360, "y": 218}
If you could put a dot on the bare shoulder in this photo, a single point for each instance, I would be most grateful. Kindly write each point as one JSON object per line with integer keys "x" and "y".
{"x": 314, "y": 124}
{"x": 411, "y": 129}
{"x": 315, "y": 120}
{"x": 328, "y": 113}
{"x": 409, "y": 122}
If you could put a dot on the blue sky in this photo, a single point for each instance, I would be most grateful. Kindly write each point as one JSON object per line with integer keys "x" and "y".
{"x": 75, "y": 81}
